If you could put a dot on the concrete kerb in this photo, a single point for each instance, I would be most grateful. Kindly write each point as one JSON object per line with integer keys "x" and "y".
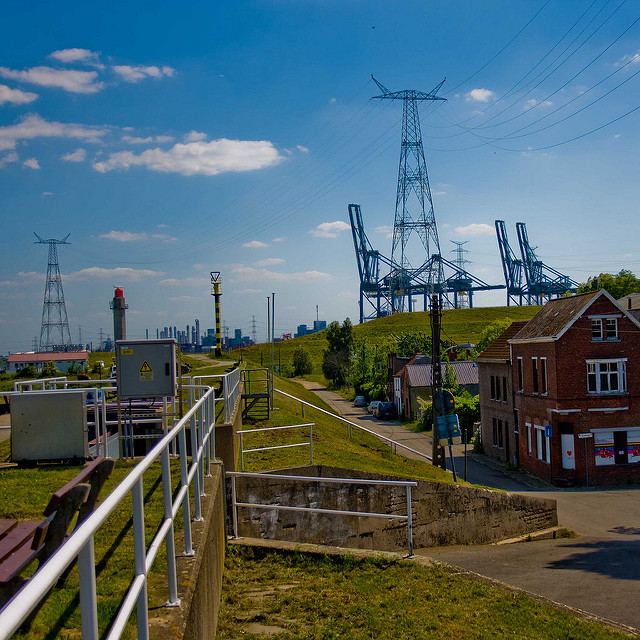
{"x": 515, "y": 474}
{"x": 425, "y": 561}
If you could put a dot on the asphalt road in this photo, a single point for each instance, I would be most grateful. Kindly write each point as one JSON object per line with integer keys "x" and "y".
{"x": 597, "y": 572}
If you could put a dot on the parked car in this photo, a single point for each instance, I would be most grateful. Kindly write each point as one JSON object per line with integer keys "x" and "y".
{"x": 359, "y": 402}
{"x": 373, "y": 406}
{"x": 385, "y": 410}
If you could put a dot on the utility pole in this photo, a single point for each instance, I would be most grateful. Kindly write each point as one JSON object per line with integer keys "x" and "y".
{"x": 437, "y": 455}
{"x": 254, "y": 331}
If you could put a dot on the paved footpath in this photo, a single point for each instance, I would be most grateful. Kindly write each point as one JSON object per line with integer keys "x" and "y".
{"x": 597, "y": 572}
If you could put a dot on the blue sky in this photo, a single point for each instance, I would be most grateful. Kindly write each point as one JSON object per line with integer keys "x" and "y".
{"x": 172, "y": 139}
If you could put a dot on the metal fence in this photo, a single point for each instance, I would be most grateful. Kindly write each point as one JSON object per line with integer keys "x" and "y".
{"x": 200, "y": 420}
{"x": 230, "y": 389}
{"x": 393, "y": 444}
{"x": 363, "y": 514}
{"x": 281, "y": 446}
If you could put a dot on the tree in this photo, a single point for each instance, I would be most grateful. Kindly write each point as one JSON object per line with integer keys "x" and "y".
{"x": 28, "y": 372}
{"x": 620, "y": 285}
{"x": 336, "y": 359}
{"x": 490, "y": 333}
{"x": 49, "y": 370}
{"x": 301, "y": 362}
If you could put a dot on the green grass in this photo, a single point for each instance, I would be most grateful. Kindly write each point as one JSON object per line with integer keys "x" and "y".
{"x": 24, "y": 495}
{"x": 331, "y": 445}
{"x": 303, "y": 597}
{"x": 458, "y": 325}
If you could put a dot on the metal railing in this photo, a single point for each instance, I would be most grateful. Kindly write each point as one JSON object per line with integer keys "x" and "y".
{"x": 394, "y": 483}
{"x": 281, "y": 446}
{"x": 41, "y": 384}
{"x": 200, "y": 419}
{"x": 230, "y": 389}
{"x": 393, "y": 444}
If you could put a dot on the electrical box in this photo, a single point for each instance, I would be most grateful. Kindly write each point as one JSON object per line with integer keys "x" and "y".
{"x": 146, "y": 368}
{"x": 49, "y": 425}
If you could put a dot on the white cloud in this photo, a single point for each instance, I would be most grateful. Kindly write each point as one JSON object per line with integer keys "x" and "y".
{"x": 140, "y": 72}
{"x": 269, "y": 262}
{"x": 279, "y": 239}
{"x": 147, "y": 140}
{"x": 48, "y": 193}
{"x": 480, "y": 95}
{"x": 128, "y": 236}
{"x": 329, "y": 229}
{"x": 79, "y": 155}
{"x": 186, "y": 299}
{"x": 249, "y": 273}
{"x": 186, "y": 282}
{"x": 533, "y": 102}
{"x": 8, "y": 158}
{"x": 198, "y": 158}
{"x": 302, "y": 148}
{"x": 332, "y": 100}
{"x": 439, "y": 193}
{"x": 195, "y": 136}
{"x": 247, "y": 292}
{"x": 119, "y": 274}
{"x": 75, "y": 55}
{"x": 386, "y": 230}
{"x": 475, "y": 229}
{"x": 31, "y": 163}
{"x": 68, "y": 79}
{"x": 15, "y": 96}
{"x": 634, "y": 58}
{"x": 33, "y": 126}
{"x": 254, "y": 244}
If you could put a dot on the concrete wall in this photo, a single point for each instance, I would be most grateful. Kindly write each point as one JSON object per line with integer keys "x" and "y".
{"x": 442, "y": 513}
{"x": 199, "y": 577}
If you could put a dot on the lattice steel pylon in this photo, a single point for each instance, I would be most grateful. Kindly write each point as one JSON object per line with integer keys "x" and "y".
{"x": 414, "y": 206}
{"x": 55, "y": 321}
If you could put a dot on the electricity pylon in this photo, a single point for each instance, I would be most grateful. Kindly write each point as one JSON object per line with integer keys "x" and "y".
{"x": 54, "y": 311}
{"x": 414, "y": 206}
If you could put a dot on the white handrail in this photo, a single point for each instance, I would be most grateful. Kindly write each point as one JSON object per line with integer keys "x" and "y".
{"x": 309, "y": 444}
{"x": 392, "y": 443}
{"x": 201, "y": 420}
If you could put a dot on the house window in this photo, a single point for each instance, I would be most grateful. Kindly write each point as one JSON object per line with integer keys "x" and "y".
{"x": 542, "y": 445}
{"x": 534, "y": 373}
{"x": 543, "y": 375}
{"x": 493, "y": 387}
{"x": 504, "y": 388}
{"x": 497, "y": 389}
{"x": 529, "y": 443}
{"x": 604, "y": 329}
{"x": 607, "y": 376}
{"x": 520, "y": 376}
{"x": 498, "y": 435}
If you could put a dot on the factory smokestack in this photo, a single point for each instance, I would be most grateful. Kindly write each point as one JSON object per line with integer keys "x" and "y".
{"x": 119, "y": 320}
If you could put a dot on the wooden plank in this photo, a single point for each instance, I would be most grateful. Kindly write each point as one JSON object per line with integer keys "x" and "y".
{"x": 15, "y": 563}
{"x": 80, "y": 478}
{"x": 6, "y": 526}
{"x": 17, "y": 537}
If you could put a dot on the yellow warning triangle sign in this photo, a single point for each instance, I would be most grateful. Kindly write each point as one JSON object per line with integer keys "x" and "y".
{"x": 145, "y": 368}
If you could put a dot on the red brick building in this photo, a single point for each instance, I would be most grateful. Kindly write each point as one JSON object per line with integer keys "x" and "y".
{"x": 497, "y": 415}
{"x": 575, "y": 368}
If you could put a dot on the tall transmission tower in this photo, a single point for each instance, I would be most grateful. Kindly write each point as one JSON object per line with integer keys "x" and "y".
{"x": 254, "y": 329}
{"x": 54, "y": 331}
{"x": 460, "y": 261}
{"x": 414, "y": 206}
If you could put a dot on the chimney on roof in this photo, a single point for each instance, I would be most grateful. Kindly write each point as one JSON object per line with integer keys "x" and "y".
{"x": 629, "y": 302}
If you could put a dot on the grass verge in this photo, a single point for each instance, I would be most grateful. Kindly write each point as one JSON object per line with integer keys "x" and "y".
{"x": 294, "y": 596}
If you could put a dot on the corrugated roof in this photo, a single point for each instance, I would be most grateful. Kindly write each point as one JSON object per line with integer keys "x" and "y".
{"x": 48, "y": 357}
{"x": 555, "y": 316}
{"x": 420, "y": 374}
{"x": 499, "y": 348}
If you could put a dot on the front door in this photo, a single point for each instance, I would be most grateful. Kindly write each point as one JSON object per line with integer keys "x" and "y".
{"x": 568, "y": 451}
{"x": 620, "y": 446}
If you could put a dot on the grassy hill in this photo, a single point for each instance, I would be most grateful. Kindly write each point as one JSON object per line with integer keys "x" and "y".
{"x": 458, "y": 326}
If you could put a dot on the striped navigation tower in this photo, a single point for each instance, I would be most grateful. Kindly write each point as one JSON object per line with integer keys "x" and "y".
{"x": 216, "y": 292}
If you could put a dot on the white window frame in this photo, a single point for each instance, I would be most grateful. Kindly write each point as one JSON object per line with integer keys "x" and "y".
{"x": 520, "y": 375}
{"x": 535, "y": 389}
{"x": 529, "y": 438}
{"x": 542, "y": 444}
{"x": 543, "y": 377}
{"x": 599, "y": 375}
{"x": 604, "y": 328}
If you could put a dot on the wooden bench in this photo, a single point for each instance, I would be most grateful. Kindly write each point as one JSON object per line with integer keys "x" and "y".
{"x": 23, "y": 542}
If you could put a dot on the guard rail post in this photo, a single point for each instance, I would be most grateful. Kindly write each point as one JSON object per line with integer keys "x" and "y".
{"x": 172, "y": 575}
{"x": 137, "y": 501}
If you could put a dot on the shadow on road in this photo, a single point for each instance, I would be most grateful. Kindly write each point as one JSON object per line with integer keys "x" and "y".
{"x": 612, "y": 558}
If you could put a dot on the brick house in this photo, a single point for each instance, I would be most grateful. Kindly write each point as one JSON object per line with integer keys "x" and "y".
{"x": 61, "y": 359}
{"x": 497, "y": 416}
{"x": 576, "y": 375}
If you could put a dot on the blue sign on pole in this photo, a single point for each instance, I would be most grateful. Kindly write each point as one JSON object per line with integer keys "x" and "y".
{"x": 448, "y": 429}
{"x": 547, "y": 430}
